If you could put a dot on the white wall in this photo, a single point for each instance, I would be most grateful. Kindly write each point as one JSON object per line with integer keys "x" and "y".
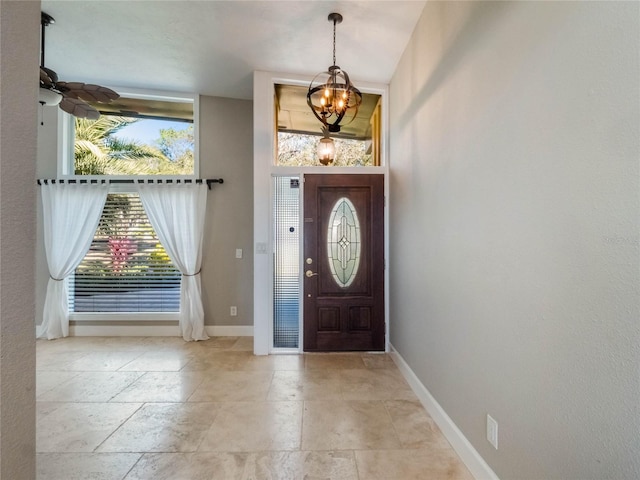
{"x": 515, "y": 266}
{"x": 18, "y": 101}
{"x": 226, "y": 151}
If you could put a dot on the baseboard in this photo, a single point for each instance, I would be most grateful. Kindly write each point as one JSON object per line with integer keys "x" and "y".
{"x": 155, "y": 331}
{"x": 229, "y": 330}
{"x": 469, "y": 455}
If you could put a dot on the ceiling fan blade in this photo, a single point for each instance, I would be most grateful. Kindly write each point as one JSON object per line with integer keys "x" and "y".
{"x": 48, "y": 77}
{"x": 87, "y": 91}
{"x": 79, "y": 109}
{"x": 45, "y": 79}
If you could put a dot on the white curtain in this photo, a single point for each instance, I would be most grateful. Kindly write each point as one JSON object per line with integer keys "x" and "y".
{"x": 176, "y": 212}
{"x": 71, "y": 213}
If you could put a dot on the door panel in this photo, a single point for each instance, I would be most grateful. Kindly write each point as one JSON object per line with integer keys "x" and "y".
{"x": 344, "y": 262}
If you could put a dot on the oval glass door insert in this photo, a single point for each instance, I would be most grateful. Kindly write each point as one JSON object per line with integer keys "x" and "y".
{"x": 343, "y": 242}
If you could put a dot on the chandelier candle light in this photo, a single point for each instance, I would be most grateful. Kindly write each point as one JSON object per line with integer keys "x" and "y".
{"x": 331, "y": 100}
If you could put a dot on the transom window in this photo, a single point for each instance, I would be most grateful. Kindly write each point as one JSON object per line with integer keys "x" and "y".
{"x": 298, "y": 131}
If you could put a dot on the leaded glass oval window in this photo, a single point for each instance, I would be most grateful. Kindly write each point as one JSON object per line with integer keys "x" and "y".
{"x": 343, "y": 242}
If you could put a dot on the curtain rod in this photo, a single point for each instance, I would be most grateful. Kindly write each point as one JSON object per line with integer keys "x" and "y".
{"x": 209, "y": 181}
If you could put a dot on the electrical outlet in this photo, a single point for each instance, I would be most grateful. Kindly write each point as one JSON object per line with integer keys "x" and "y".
{"x": 492, "y": 431}
{"x": 238, "y": 253}
{"x": 233, "y": 311}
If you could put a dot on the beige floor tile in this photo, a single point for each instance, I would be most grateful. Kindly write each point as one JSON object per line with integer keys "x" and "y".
{"x": 155, "y": 343}
{"x": 56, "y": 360}
{"x": 213, "y": 360}
{"x": 105, "y": 361}
{"x": 96, "y": 344}
{"x": 224, "y": 343}
{"x": 84, "y": 466}
{"x": 78, "y": 427}
{"x": 244, "y": 344}
{"x": 163, "y": 427}
{"x": 255, "y": 426}
{"x": 91, "y": 387}
{"x": 305, "y": 385}
{"x": 212, "y": 410}
{"x": 347, "y": 425}
{"x": 378, "y": 360}
{"x": 127, "y": 342}
{"x": 375, "y": 384}
{"x": 47, "y": 380}
{"x": 165, "y": 387}
{"x": 45, "y": 347}
{"x": 274, "y": 362}
{"x": 189, "y": 466}
{"x": 301, "y": 465}
{"x": 334, "y": 361}
{"x": 411, "y": 465}
{"x": 160, "y": 360}
{"x": 232, "y": 386}
{"x": 46, "y": 408}
{"x": 414, "y": 427}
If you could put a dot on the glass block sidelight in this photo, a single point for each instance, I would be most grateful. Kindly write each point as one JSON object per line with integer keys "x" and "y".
{"x": 343, "y": 242}
{"x": 286, "y": 268}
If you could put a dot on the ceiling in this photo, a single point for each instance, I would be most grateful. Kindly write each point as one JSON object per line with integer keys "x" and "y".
{"x": 213, "y": 47}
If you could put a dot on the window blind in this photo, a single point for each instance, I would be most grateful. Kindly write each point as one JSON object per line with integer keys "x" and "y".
{"x": 126, "y": 269}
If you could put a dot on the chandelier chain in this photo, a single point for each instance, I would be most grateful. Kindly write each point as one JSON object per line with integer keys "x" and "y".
{"x": 334, "y": 41}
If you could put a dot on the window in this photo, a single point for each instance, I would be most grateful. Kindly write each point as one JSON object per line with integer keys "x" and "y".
{"x": 136, "y": 135}
{"x": 298, "y": 149}
{"x": 142, "y": 134}
{"x": 126, "y": 268}
{"x": 299, "y": 132}
{"x": 286, "y": 258}
{"x": 343, "y": 242}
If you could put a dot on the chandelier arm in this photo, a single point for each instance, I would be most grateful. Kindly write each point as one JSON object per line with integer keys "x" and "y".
{"x": 314, "y": 108}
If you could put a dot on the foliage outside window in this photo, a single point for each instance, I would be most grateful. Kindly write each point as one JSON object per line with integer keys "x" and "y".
{"x": 126, "y": 268}
{"x": 296, "y": 150}
{"x": 101, "y": 148}
{"x": 142, "y": 133}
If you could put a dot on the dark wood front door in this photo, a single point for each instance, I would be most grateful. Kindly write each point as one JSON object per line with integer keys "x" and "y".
{"x": 343, "y": 264}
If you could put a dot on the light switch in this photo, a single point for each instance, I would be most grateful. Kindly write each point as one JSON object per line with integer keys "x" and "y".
{"x": 238, "y": 253}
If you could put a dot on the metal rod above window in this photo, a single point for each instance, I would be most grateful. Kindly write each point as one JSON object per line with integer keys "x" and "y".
{"x": 208, "y": 181}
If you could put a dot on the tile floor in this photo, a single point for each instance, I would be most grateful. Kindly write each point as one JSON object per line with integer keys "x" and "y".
{"x": 160, "y": 408}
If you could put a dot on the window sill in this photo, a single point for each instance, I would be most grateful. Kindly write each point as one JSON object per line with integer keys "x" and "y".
{"x": 125, "y": 317}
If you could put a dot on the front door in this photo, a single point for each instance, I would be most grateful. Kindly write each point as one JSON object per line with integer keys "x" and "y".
{"x": 343, "y": 266}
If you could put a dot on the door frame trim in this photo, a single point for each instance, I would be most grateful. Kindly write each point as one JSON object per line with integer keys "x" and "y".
{"x": 263, "y": 171}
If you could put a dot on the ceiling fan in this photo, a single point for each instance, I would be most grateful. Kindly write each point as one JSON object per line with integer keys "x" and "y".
{"x": 72, "y": 96}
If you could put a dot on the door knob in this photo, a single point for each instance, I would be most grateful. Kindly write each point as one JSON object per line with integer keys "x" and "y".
{"x": 309, "y": 273}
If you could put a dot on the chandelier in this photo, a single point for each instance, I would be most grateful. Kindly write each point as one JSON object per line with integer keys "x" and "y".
{"x": 331, "y": 100}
